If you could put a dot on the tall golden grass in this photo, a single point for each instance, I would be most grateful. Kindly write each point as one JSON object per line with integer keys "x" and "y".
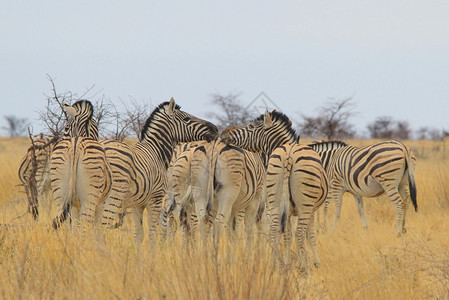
{"x": 38, "y": 262}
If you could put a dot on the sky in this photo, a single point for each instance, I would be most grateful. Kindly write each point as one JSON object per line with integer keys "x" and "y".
{"x": 391, "y": 57}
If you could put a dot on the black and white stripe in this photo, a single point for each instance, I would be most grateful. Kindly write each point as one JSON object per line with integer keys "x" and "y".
{"x": 34, "y": 172}
{"x": 370, "y": 171}
{"x": 296, "y": 181}
{"x": 143, "y": 166}
{"x": 80, "y": 174}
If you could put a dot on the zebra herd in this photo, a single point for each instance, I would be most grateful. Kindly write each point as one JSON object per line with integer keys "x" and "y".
{"x": 185, "y": 175}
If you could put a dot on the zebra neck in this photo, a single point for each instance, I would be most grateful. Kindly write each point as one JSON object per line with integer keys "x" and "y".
{"x": 270, "y": 147}
{"x": 162, "y": 148}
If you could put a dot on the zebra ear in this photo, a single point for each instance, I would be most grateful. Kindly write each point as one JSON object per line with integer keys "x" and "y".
{"x": 268, "y": 121}
{"x": 171, "y": 106}
{"x": 70, "y": 110}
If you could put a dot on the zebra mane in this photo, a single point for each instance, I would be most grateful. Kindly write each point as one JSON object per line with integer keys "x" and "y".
{"x": 152, "y": 116}
{"x": 283, "y": 120}
{"x": 81, "y": 103}
{"x": 327, "y": 145}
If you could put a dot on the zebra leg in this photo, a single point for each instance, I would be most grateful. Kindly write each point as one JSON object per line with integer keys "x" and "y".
{"x": 89, "y": 194}
{"x": 224, "y": 212}
{"x": 337, "y": 195}
{"x": 317, "y": 216}
{"x": 87, "y": 210}
{"x": 301, "y": 231}
{"x": 200, "y": 201}
{"x": 250, "y": 219}
{"x": 238, "y": 221}
{"x": 287, "y": 238}
{"x": 185, "y": 224}
{"x": 393, "y": 194}
{"x": 153, "y": 212}
{"x": 63, "y": 188}
{"x": 325, "y": 213}
{"x": 113, "y": 203}
{"x": 274, "y": 191}
{"x": 194, "y": 227}
{"x": 403, "y": 192}
{"x": 98, "y": 213}
{"x": 138, "y": 224}
{"x": 359, "y": 201}
{"x": 165, "y": 218}
{"x": 74, "y": 216}
{"x": 311, "y": 239}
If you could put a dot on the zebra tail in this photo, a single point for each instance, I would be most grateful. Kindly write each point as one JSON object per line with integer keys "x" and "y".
{"x": 211, "y": 178}
{"x": 285, "y": 198}
{"x": 411, "y": 179}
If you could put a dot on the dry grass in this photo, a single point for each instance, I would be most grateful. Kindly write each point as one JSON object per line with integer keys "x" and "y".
{"x": 37, "y": 262}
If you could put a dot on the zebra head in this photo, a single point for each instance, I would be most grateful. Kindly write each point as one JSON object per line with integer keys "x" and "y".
{"x": 265, "y": 133}
{"x": 175, "y": 126}
{"x": 81, "y": 122}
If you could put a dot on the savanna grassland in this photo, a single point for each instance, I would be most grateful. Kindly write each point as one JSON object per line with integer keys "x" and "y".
{"x": 37, "y": 262}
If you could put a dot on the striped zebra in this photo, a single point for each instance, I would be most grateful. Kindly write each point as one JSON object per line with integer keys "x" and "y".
{"x": 237, "y": 178}
{"x": 369, "y": 171}
{"x": 80, "y": 174}
{"x": 296, "y": 181}
{"x": 238, "y": 186}
{"x": 143, "y": 166}
{"x": 179, "y": 191}
{"x": 34, "y": 172}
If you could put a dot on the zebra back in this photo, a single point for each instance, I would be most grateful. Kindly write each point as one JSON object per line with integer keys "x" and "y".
{"x": 326, "y": 150}
{"x": 327, "y": 145}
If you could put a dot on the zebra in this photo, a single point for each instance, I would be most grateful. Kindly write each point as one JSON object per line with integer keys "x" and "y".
{"x": 179, "y": 191}
{"x": 79, "y": 171}
{"x": 238, "y": 187}
{"x": 144, "y": 165}
{"x": 34, "y": 172}
{"x": 370, "y": 171}
{"x": 236, "y": 175}
{"x": 296, "y": 182}
{"x": 34, "y": 169}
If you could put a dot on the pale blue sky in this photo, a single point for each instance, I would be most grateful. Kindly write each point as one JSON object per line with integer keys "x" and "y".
{"x": 392, "y": 57}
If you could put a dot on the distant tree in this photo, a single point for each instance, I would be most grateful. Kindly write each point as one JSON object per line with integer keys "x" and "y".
{"x": 386, "y": 127}
{"x": 332, "y": 121}
{"x": 311, "y": 126}
{"x": 230, "y": 111}
{"x": 403, "y": 131}
{"x": 16, "y": 126}
{"x": 381, "y": 128}
{"x": 422, "y": 133}
{"x": 426, "y": 133}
